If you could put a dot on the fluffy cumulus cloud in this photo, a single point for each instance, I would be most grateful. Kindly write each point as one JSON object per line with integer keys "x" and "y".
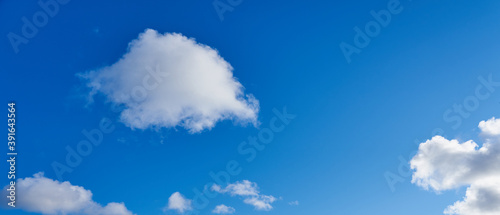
{"x": 490, "y": 127}
{"x": 443, "y": 164}
{"x": 179, "y": 203}
{"x": 39, "y": 194}
{"x": 223, "y": 209}
{"x": 482, "y": 197}
{"x": 250, "y": 193}
{"x": 169, "y": 80}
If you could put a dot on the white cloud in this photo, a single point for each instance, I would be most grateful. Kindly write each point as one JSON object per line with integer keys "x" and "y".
{"x": 223, "y": 209}
{"x": 294, "y": 203}
{"x": 240, "y": 188}
{"x": 216, "y": 188}
{"x": 169, "y": 80}
{"x": 482, "y": 197}
{"x": 46, "y": 196}
{"x": 178, "y": 203}
{"x": 490, "y": 127}
{"x": 442, "y": 164}
{"x": 250, "y": 191}
{"x": 260, "y": 202}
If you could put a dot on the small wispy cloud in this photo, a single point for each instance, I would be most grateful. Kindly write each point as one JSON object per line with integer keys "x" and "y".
{"x": 223, "y": 209}
{"x": 179, "y": 203}
{"x": 250, "y": 193}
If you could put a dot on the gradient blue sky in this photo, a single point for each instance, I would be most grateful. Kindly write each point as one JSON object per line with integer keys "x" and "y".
{"x": 353, "y": 119}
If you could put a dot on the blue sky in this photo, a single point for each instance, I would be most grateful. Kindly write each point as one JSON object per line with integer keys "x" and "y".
{"x": 353, "y": 120}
